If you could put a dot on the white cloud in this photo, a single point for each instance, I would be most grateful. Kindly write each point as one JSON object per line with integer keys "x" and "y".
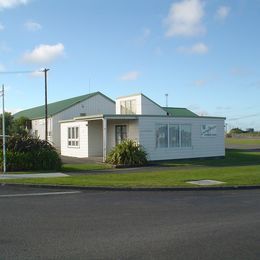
{"x": 222, "y": 12}
{"x": 2, "y": 67}
{"x": 43, "y": 54}
{"x": 158, "y": 51}
{"x": 1, "y": 27}
{"x": 14, "y": 110}
{"x": 199, "y": 48}
{"x": 32, "y": 26}
{"x": 240, "y": 72}
{"x": 185, "y": 18}
{"x": 200, "y": 82}
{"x": 4, "y": 47}
{"x": 144, "y": 36}
{"x": 198, "y": 110}
{"x": 131, "y": 75}
{"x": 4, "y": 4}
{"x": 37, "y": 73}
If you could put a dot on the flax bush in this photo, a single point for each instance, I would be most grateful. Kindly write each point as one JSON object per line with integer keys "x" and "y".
{"x": 127, "y": 153}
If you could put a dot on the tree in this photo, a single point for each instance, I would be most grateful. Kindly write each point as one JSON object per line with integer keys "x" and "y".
{"x": 236, "y": 131}
{"x": 21, "y": 126}
{"x": 8, "y": 123}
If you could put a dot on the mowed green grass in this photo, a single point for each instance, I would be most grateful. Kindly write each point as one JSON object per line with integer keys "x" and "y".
{"x": 237, "y": 168}
{"x": 84, "y": 167}
{"x": 243, "y": 141}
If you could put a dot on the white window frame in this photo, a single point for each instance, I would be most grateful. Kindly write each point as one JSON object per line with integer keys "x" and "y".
{"x": 73, "y": 141}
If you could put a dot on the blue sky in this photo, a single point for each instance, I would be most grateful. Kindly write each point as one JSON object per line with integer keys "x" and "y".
{"x": 204, "y": 53}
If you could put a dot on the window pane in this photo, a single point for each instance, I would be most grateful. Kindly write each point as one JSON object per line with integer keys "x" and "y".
{"x": 133, "y": 106}
{"x": 186, "y": 135}
{"x": 73, "y": 132}
{"x": 162, "y": 136}
{"x": 122, "y": 107}
{"x": 174, "y": 137}
{"x": 69, "y": 132}
{"x": 77, "y": 132}
{"x": 128, "y": 106}
{"x": 121, "y": 133}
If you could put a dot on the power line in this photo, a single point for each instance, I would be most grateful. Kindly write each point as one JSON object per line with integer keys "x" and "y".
{"x": 20, "y": 71}
{"x": 243, "y": 117}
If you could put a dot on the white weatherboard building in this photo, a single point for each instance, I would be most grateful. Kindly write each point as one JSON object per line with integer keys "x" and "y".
{"x": 90, "y": 104}
{"x": 164, "y": 132}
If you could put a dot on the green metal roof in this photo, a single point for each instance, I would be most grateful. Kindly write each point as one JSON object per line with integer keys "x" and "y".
{"x": 54, "y": 108}
{"x": 179, "y": 112}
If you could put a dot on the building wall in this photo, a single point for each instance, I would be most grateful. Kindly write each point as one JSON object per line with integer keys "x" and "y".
{"x": 95, "y": 138}
{"x": 144, "y": 106}
{"x": 97, "y": 104}
{"x": 82, "y": 150}
{"x": 132, "y": 131}
{"x": 150, "y": 108}
{"x": 200, "y": 147}
{"x": 39, "y": 125}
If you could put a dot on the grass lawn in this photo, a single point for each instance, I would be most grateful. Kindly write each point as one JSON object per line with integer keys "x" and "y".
{"x": 84, "y": 167}
{"x": 237, "y": 168}
{"x": 243, "y": 141}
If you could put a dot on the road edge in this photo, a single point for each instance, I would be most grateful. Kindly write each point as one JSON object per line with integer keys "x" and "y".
{"x": 102, "y": 188}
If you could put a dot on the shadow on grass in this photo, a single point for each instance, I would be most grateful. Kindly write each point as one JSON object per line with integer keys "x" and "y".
{"x": 234, "y": 157}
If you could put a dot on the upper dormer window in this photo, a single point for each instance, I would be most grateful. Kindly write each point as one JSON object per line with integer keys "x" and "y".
{"x": 128, "y": 106}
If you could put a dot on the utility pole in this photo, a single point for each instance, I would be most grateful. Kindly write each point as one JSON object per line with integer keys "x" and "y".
{"x": 46, "y": 104}
{"x": 3, "y": 126}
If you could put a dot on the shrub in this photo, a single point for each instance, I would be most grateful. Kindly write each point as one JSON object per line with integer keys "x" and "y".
{"x": 28, "y": 153}
{"x": 127, "y": 153}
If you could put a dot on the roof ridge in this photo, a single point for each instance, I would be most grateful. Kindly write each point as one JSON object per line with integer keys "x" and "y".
{"x": 55, "y": 107}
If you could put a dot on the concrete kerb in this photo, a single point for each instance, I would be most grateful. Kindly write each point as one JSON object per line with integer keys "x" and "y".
{"x": 101, "y": 188}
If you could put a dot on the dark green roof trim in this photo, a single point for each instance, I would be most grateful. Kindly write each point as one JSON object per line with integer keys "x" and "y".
{"x": 56, "y": 107}
{"x": 179, "y": 112}
{"x": 123, "y": 116}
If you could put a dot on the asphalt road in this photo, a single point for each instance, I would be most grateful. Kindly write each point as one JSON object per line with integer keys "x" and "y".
{"x": 54, "y": 224}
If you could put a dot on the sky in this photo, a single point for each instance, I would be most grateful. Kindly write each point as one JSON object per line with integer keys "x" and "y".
{"x": 205, "y": 54}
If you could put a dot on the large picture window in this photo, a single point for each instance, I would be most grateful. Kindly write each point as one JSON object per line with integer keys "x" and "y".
{"x": 121, "y": 133}
{"x": 162, "y": 136}
{"x": 128, "y": 106}
{"x": 173, "y": 135}
{"x": 185, "y": 135}
{"x": 73, "y": 136}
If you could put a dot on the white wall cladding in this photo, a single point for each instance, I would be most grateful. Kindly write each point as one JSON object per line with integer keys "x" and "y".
{"x": 97, "y": 104}
{"x": 132, "y": 131}
{"x": 39, "y": 125}
{"x": 82, "y": 150}
{"x": 150, "y": 108}
{"x": 201, "y": 146}
{"x": 95, "y": 138}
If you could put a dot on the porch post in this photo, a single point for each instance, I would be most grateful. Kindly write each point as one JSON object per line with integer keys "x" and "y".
{"x": 104, "y": 120}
